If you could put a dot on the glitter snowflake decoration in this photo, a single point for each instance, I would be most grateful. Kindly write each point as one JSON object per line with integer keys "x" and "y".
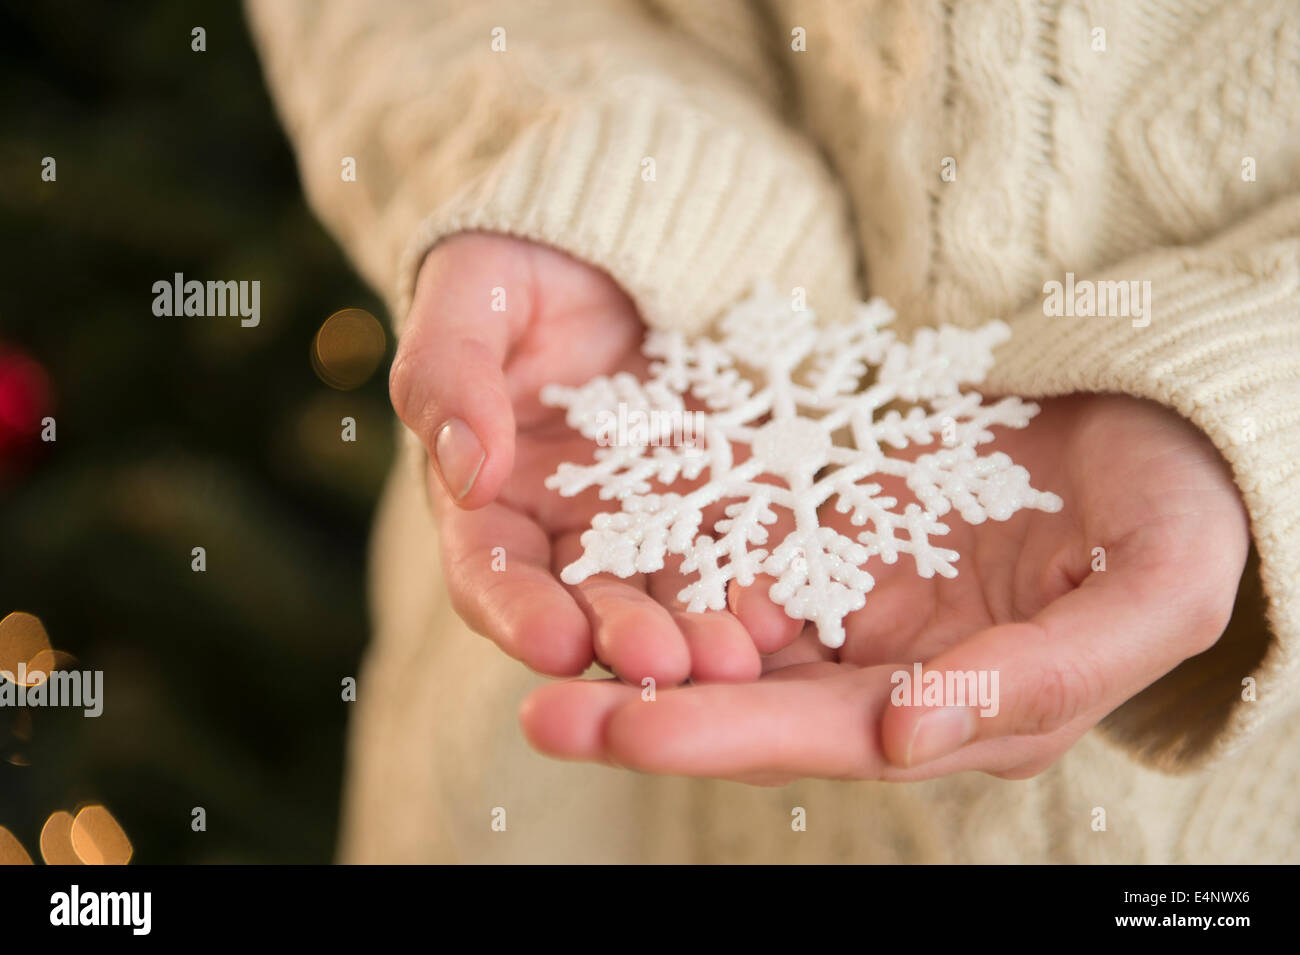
{"x": 804, "y": 401}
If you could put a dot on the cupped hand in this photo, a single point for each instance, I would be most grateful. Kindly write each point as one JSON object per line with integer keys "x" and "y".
{"x": 493, "y": 319}
{"x": 1075, "y": 612}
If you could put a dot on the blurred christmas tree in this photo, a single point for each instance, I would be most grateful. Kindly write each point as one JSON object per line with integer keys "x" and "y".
{"x": 222, "y": 688}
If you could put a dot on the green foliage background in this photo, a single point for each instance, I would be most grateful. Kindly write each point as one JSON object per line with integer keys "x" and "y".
{"x": 222, "y": 689}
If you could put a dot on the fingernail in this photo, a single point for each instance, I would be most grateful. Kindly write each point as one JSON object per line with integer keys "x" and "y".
{"x": 940, "y": 732}
{"x": 460, "y": 455}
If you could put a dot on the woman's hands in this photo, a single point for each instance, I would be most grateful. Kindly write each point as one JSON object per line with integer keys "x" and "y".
{"x": 493, "y": 320}
{"x": 1069, "y": 643}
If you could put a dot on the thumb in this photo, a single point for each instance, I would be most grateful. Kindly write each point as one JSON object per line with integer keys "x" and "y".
{"x": 447, "y": 382}
{"x": 1084, "y": 654}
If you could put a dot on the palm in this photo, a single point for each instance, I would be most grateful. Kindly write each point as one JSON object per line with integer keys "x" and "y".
{"x": 581, "y": 325}
{"x": 1126, "y": 471}
{"x": 1071, "y": 641}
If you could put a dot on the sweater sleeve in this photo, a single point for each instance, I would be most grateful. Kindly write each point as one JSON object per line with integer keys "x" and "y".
{"x": 596, "y": 127}
{"x": 1220, "y": 345}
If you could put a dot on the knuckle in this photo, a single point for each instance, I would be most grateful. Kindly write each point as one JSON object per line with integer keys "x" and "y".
{"x": 467, "y": 591}
{"x": 410, "y": 393}
{"x": 478, "y": 597}
{"x": 1060, "y": 693}
{"x": 399, "y": 382}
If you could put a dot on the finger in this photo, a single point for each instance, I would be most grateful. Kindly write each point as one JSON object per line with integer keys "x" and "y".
{"x": 632, "y": 632}
{"x": 720, "y": 647}
{"x": 567, "y": 720}
{"x": 814, "y": 720}
{"x": 1086, "y": 652}
{"x": 769, "y": 626}
{"x": 806, "y": 648}
{"x": 447, "y": 381}
{"x": 1027, "y": 756}
{"x": 796, "y": 727}
{"x": 497, "y": 567}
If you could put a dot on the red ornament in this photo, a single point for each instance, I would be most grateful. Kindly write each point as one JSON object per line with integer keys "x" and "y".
{"x": 25, "y": 401}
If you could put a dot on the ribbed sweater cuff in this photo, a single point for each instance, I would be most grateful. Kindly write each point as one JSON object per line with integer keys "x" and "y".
{"x": 1222, "y": 349}
{"x": 724, "y": 209}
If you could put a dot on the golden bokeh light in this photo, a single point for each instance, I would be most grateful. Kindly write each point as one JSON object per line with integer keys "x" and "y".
{"x": 56, "y": 840}
{"x": 348, "y": 348}
{"x": 98, "y": 839}
{"x": 22, "y": 638}
{"x": 11, "y": 850}
{"x": 46, "y": 662}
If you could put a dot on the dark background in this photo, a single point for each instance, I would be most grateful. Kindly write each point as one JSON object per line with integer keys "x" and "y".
{"x": 222, "y": 689}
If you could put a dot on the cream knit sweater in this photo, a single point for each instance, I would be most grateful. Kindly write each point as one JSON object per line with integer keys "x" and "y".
{"x": 952, "y": 157}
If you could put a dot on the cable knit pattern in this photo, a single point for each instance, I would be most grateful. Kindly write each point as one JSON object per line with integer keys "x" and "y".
{"x": 1145, "y": 140}
{"x": 1226, "y": 95}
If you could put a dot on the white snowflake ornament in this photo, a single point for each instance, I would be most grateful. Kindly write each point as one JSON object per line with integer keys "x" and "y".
{"x": 817, "y": 425}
